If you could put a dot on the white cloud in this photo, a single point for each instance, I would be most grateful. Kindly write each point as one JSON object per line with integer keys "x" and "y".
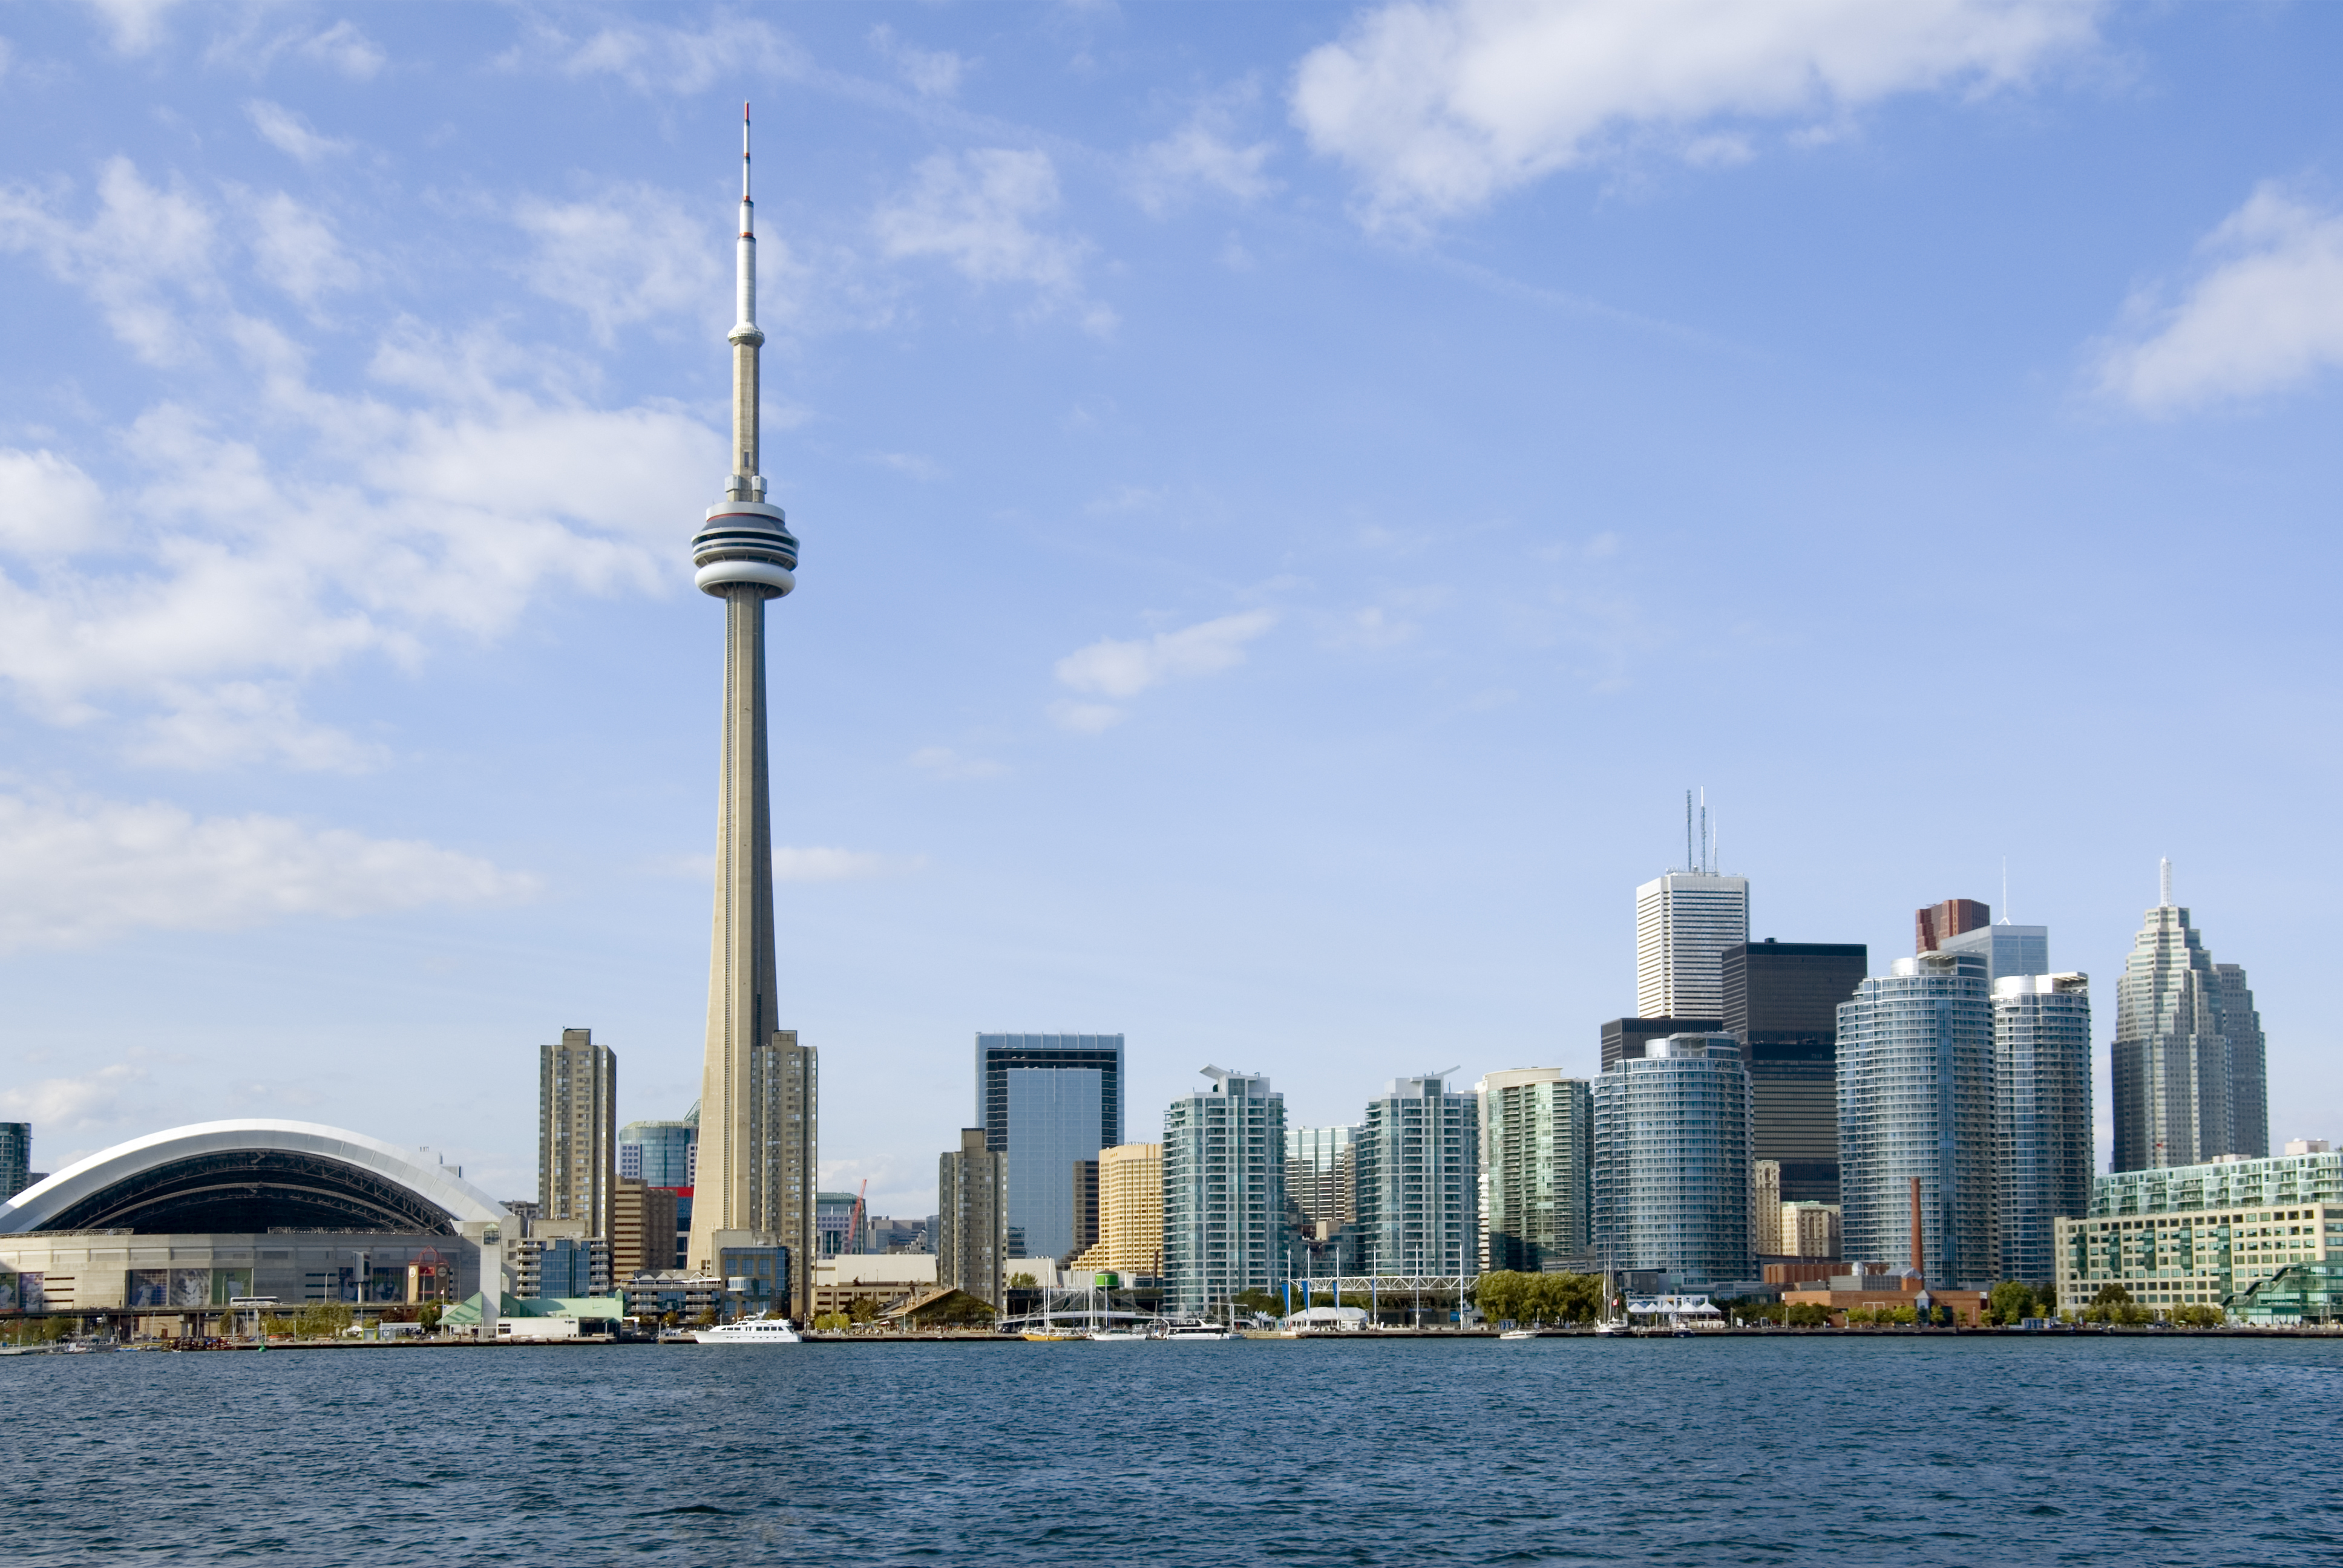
{"x": 932, "y": 72}
{"x": 669, "y": 59}
{"x": 2264, "y": 315}
{"x": 345, "y": 48}
{"x": 239, "y": 721}
{"x": 295, "y": 250}
{"x": 75, "y": 872}
{"x": 818, "y": 864}
{"x": 943, "y": 762}
{"x": 1440, "y": 107}
{"x": 61, "y": 1104}
{"x": 144, "y": 246}
{"x": 136, "y": 25}
{"x": 1121, "y": 670}
{"x": 634, "y": 253}
{"x": 1202, "y": 154}
{"x": 1086, "y": 717}
{"x": 47, "y": 506}
{"x": 975, "y": 211}
{"x": 291, "y": 133}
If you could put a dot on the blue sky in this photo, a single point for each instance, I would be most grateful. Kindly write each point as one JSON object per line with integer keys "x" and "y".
{"x": 1290, "y": 497}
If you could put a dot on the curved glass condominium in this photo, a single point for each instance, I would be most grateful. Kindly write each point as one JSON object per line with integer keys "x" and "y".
{"x": 1672, "y": 1175}
{"x": 2042, "y": 1149}
{"x": 1916, "y": 1100}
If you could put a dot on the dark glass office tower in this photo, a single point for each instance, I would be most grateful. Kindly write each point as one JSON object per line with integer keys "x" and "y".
{"x": 1781, "y": 1001}
{"x": 1624, "y": 1038}
{"x": 1047, "y": 1101}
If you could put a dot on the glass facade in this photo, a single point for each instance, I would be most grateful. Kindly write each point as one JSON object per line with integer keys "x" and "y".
{"x": 1781, "y": 1002}
{"x": 658, "y": 1153}
{"x": 1048, "y": 1101}
{"x": 15, "y": 1157}
{"x": 1671, "y": 1163}
{"x": 1418, "y": 1182}
{"x": 1915, "y": 1101}
{"x": 1322, "y": 1177}
{"x": 1537, "y": 1168}
{"x": 1223, "y": 1193}
{"x": 2189, "y": 1079}
{"x": 2042, "y": 1143}
{"x": 2007, "y": 950}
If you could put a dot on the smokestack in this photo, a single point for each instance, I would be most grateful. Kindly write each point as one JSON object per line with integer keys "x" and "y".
{"x": 1918, "y": 1267}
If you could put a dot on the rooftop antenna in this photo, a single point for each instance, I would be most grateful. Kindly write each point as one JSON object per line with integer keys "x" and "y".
{"x": 1690, "y": 864}
{"x": 2163, "y": 881}
{"x": 1704, "y": 831}
{"x": 2005, "y": 890}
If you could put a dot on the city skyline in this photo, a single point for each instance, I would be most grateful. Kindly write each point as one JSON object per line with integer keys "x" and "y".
{"x": 1231, "y": 554}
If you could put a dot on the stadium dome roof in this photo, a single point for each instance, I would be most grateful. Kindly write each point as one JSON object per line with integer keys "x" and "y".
{"x": 250, "y": 1177}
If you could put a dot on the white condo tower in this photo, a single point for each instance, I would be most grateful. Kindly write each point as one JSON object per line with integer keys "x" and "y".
{"x": 755, "y": 1184}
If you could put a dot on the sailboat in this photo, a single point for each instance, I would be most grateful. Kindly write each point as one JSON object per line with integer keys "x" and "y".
{"x": 1604, "y": 1323}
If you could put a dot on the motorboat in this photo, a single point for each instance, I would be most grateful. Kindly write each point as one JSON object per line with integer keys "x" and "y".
{"x": 1120, "y": 1337}
{"x": 1184, "y": 1331}
{"x": 1519, "y": 1334}
{"x": 750, "y": 1331}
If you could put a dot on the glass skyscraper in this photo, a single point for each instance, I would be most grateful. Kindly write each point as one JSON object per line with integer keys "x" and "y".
{"x": 2042, "y": 1151}
{"x": 1537, "y": 1168}
{"x": 1322, "y": 1177}
{"x": 1223, "y": 1192}
{"x": 1916, "y": 1100}
{"x": 1781, "y": 1002}
{"x": 1684, "y": 922}
{"x": 1049, "y": 1102}
{"x": 15, "y": 1157}
{"x": 1419, "y": 1160}
{"x": 2190, "y": 1081}
{"x": 1671, "y": 1166}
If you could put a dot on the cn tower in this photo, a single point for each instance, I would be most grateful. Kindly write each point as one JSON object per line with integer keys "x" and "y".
{"x": 755, "y": 1184}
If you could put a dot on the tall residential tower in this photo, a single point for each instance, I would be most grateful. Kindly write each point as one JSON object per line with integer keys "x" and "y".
{"x": 757, "y": 1085}
{"x": 577, "y": 1132}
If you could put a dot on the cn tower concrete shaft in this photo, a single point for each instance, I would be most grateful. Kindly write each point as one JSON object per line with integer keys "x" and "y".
{"x": 759, "y": 1099}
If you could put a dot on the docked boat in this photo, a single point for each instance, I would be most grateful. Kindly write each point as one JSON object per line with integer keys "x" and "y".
{"x": 750, "y": 1331}
{"x": 1185, "y": 1332}
{"x": 1120, "y": 1337}
{"x": 1519, "y": 1334}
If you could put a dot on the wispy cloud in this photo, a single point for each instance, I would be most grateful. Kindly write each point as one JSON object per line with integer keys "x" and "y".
{"x": 136, "y": 25}
{"x": 295, "y": 249}
{"x": 144, "y": 257}
{"x": 1119, "y": 669}
{"x": 1440, "y": 105}
{"x": 634, "y": 253}
{"x": 1206, "y": 155}
{"x": 667, "y": 60}
{"x": 978, "y": 212}
{"x": 48, "y": 507}
{"x": 65, "y": 1104}
{"x": 932, "y": 73}
{"x": 2263, "y": 314}
{"x": 943, "y": 762}
{"x": 74, "y": 872}
{"x": 291, "y": 133}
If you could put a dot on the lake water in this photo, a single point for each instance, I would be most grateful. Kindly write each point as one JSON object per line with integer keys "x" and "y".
{"x": 1851, "y": 1451}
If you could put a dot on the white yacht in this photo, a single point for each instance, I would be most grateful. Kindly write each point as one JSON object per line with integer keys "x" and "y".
{"x": 750, "y": 1331}
{"x": 1184, "y": 1331}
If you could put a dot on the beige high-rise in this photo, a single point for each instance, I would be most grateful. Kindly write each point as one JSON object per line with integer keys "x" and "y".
{"x": 1130, "y": 1210}
{"x": 578, "y": 1132}
{"x": 758, "y": 1101}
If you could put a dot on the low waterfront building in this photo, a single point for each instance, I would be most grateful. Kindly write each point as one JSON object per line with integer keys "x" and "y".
{"x": 1671, "y": 1178}
{"x": 880, "y": 1280}
{"x": 557, "y": 1257}
{"x": 755, "y": 1269}
{"x": 656, "y": 1292}
{"x": 2201, "y": 1235}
